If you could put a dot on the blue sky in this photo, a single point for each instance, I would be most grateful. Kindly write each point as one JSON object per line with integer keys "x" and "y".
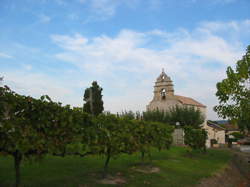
{"x": 58, "y": 47}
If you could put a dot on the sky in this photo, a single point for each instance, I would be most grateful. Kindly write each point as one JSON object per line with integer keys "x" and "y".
{"x": 59, "y": 47}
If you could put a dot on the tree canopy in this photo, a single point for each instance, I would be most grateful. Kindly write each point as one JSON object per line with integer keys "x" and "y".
{"x": 1, "y": 80}
{"x": 233, "y": 93}
{"x": 93, "y": 99}
{"x": 34, "y": 127}
{"x": 186, "y": 116}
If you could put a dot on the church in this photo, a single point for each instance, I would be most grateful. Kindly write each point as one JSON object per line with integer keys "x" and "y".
{"x": 164, "y": 97}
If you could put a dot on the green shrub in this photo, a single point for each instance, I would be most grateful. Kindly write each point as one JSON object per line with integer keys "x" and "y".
{"x": 238, "y": 135}
{"x": 186, "y": 116}
{"x": 195, "y": 138}
{"x": 151, "y": 134}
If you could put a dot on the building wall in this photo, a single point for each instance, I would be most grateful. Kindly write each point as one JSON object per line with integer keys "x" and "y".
{"x": 216, "y": 134}
{"x": 165, "y": 105}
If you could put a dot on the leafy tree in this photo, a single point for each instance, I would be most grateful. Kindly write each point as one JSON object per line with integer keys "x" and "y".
{"x": 186, "y": 116}
{"x": 130, "y": 115}
{"x": 110, "y": 136}
{"x": 31, "y": 128}
{"x": 18, "y": 138}
{"x": 151, "y": 134}
{"x": 1, "y": 80}
{"x": 157, "y": 116}
{"x": 233, "y": 93}
{"x": 195, "y": 138}
{"x": 93, "y": 99}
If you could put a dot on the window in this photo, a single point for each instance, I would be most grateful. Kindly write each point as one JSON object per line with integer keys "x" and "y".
{"x": 163, "y": 93}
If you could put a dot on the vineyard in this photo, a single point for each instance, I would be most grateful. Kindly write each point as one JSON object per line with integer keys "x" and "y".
{"x": 64, "y": 139}
{"x": 33, "y": 128}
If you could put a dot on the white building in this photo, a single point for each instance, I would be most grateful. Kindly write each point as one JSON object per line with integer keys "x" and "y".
{"x": 214, "y": 132}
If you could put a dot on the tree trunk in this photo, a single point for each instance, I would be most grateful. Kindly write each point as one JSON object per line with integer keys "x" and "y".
{"x": 150, "y": 156}
{"x": 205, "y": 149}
{"x": 18, "y": 159}
{"x": 142, "y": 156}
{"x": 105, "y": 169}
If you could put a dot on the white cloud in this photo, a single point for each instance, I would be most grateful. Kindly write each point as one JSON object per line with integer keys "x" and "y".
{"x": 231, "y": 26}
{"x": 108, "y": 8}
{"x": 104, "y": 9}
{"x": 127, "y": 65}
{"x": 38, "y": 84}
{"x": 4, "y": 55}
{"x": 44, "y": 19}
{"x": 196, "y": 60}
{"x": 130, "y": 49}
{"x": 74, "y": 43}
{"x": 27, "y": 67}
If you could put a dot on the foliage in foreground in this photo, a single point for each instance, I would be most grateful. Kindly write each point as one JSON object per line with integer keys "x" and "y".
{"x": 31, "y": 128}
{"x": 34, "y": 127}
{"x": 234, "y": 93}
{"x": 195, "y": 138}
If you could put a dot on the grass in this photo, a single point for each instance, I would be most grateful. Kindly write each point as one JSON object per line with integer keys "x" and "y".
{"x": 177, "y": 168}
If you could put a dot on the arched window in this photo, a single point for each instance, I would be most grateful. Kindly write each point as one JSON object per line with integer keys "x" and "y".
{"x": 163, "y": 93}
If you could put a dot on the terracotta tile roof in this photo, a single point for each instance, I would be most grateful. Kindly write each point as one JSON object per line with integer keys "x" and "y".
{"x": 189, "y": 101}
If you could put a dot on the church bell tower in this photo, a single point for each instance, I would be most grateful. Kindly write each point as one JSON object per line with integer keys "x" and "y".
{"x": 163, "y": 87}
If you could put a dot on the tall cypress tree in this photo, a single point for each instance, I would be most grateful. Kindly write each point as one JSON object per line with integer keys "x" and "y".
{"x": 1, "y": 80}
{"x": 93, "y": 99}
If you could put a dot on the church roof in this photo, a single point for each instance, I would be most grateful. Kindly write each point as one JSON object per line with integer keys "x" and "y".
{"x": 189, "y": 101}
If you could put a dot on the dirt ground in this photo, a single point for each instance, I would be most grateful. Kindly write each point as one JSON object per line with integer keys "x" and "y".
{"x": 229, "y": 177}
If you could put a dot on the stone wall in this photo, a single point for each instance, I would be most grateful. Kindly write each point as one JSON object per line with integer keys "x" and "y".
{"x": 165, "y": 105}
{"x": 178, "y": 137}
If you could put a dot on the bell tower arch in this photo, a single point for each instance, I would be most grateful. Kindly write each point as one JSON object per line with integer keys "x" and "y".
{"x": 163, "y": 87}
